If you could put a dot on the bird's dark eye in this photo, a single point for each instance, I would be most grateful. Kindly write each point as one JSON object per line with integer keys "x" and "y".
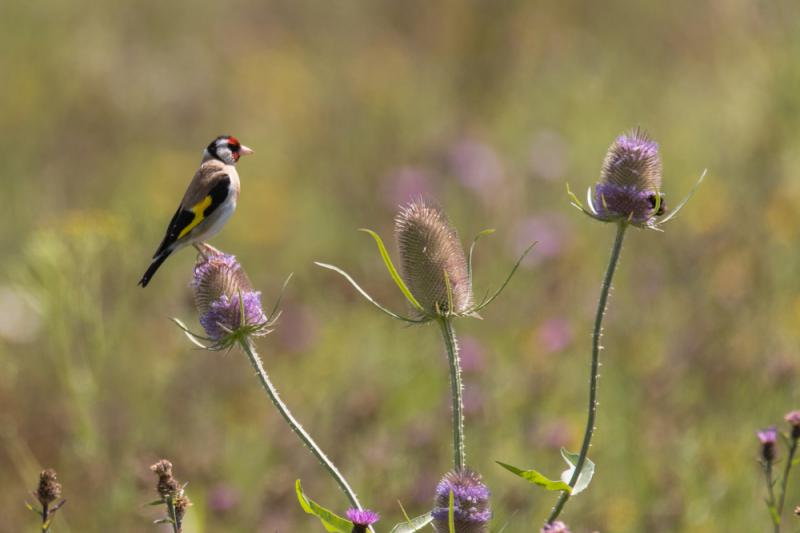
{"x": 233, "y": 147}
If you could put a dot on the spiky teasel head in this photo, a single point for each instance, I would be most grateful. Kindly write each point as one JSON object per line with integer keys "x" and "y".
{"x": 230, "y": 309}
{"x": 471, "y": 511}
{"x": 433, "y": 263}
{"x": 629, "y": 189}
{"x": 630, "y": 180}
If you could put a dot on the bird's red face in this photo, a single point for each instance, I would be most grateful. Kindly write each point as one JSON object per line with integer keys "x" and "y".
{"x": 237, "y": 149}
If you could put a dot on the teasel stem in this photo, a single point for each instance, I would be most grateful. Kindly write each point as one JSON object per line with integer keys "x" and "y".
{"x": 272, "y": 392}
{"x": 456, "y": 390}
{"x": 593, "y": 378}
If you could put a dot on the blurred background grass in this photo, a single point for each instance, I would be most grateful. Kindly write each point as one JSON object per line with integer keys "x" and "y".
{"x": 353, "y": 107}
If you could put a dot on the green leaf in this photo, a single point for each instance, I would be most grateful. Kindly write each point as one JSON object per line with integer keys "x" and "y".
{"x": 366, "y": 295}
{"x": 472, "y": 249}
{"x": 490, "y": 299}
{"x": 537, "y": 478}
{"x": 392, "y": 270}
{"x": 583, "y": 478}
{"x": 451, "y": 513}
{"x": 680, "y": 206}
{"x": 156, "y": 502}
{"x": 414, "y": 524}
{"x": 330, "y": 520}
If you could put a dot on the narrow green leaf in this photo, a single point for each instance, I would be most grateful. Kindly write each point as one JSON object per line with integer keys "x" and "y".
{"x": 330, "y": 520}
{"x": 472, "y": 249}
{"x": 537, "y": 478}
{"x": 155, "y": 502}
{"x": 164, "y": 521}
{"x": 32, "y": 509}
{"x": 451, "y": 513}
{"x": 414, "y": 524}
{"x": 680, "y": 206}
{"x": 490, "y": 299}
{"x": 583, "y": 478}
{"x": 191, "y": 336}
{"x": 364, "y": 293}
{"x": 392, "y": 270}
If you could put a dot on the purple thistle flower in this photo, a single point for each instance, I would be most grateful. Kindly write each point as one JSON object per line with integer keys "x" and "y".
{"x": 793, "y": 417}
{"x": 768, "y": 437}
{"x": 555, "y": 527}
{"x": 225, "y": 314}
{"x": 218, "y": 283}
{"x": 361, "y": 518}
{"x": 630, "y": 180}
{"x": 471, "y": 512}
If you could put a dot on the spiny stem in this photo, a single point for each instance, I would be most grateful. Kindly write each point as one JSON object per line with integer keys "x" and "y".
{"x": 785, "y": 479}
{"x": 598, "y": 332}
{"x": 255, "y": 360}
{"x": 456, "y": 389}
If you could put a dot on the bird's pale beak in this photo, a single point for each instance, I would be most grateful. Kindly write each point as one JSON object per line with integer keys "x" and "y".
{"x": 244, "y": 150}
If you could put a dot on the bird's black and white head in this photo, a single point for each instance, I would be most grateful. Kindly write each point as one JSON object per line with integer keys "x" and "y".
{"x": 226, "y": 149}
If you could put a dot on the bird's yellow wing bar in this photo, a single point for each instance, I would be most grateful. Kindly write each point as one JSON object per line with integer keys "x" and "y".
{"x": 198, "y": 209}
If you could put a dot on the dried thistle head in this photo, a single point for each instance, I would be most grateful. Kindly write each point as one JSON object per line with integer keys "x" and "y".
{"x": 49, "y": 489}
{"x": 225, "y": 297}
{"x": 432, "y": 259}
{"x": 471, "y": 512}
{"x": 630, "y": 180}
{"x": 181, "y": 503}
{"x": 167, "y": 486}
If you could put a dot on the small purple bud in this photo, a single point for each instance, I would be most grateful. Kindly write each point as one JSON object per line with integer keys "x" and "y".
{"x": 793, "y": 417}
{"x": 361, "y": 519}
{"x": 768, "y": 437}
{"x": 555, "y": 527}
{"x": 471, "y": 512}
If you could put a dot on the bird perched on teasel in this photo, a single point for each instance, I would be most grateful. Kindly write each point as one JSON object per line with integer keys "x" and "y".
{"x": 208, "y": 203}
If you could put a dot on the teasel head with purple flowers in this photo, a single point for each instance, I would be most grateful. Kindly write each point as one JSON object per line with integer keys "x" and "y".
{"x": 470, "y": 503}
{"x": 629, "y": 188}
{"x": 435, "y": 274}
{"x": 230, "y": 309}
{"x": 361, "y": 519}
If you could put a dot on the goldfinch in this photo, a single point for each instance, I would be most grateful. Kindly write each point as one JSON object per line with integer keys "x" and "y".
{"x": 208, "y": 203}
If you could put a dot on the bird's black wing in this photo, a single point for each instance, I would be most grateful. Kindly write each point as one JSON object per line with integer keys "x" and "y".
{"x": 187, "y": 218}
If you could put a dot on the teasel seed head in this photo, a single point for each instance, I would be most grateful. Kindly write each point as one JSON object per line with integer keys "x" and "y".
{"x": 49, "y": 489}
{"x": 224, "y": 295}
{"x": 471, "y": 511}
{"x": 432, "y": 259}
{"x": 630, "y": 180}
{"x": 362, "y": 519}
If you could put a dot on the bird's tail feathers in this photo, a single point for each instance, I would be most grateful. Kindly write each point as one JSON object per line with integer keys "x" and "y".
{"x": 154, "y": 266}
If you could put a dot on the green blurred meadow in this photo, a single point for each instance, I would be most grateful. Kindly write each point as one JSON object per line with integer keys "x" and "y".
{"x": 353, "y": 108}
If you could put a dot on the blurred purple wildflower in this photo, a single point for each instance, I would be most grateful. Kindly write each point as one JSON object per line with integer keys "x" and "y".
{"x": 551, "y": 231}
{"x": 768, "y": 437}
{"x": 361, "y": 518}
{"x": 222, "y": 498}
{"x": 471, "y": 510}
{"x": 556, "y": 527}
{"x": 476, "y": 165}
{"x": 403, "y": 184}
{"x": 554, "y": 335}
{"x": 793, "y": 417}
